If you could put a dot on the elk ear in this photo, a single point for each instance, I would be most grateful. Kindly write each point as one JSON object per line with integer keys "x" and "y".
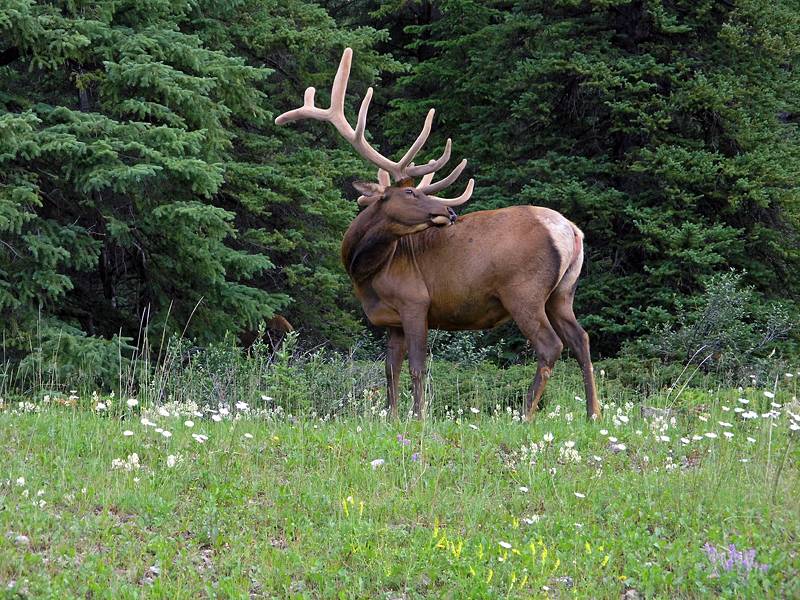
{"x": 370, "y": 192}
{"x": 368, "y": 188}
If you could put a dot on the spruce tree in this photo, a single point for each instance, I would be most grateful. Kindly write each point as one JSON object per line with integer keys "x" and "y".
{"x": 142, "y": 180}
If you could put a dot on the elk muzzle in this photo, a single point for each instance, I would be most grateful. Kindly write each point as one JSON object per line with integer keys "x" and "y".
{"x": 445, "y": 220}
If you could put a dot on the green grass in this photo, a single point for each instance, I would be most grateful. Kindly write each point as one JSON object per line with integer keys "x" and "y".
{"x": 297, "y": 510}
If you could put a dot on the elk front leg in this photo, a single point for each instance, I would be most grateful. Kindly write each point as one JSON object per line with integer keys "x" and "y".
{"x": 416, "y": 333}
{"x": 395, "y": 354}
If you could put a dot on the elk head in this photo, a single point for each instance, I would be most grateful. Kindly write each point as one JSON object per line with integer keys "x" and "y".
{"x": 408, "y": 207}
{"x": 403, "y": 210}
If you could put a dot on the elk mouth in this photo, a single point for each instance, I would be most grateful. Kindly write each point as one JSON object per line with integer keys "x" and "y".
{"x": 442, "y": 220}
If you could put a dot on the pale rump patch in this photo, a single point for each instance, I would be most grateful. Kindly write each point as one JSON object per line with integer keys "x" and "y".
{"x": 565, "y": 239}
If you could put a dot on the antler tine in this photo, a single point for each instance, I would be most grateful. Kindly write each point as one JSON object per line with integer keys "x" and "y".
{"x": 418, "y": 143}
{"x": 361, "y": 124}
{"x": 429, "y": 188}
{"x": 339, "y": 87}
{"x": 461, "y": 199}
{"x": 307, "y": 111}
{"x": 426, "y": 179}
{"x": 433, "y": 165}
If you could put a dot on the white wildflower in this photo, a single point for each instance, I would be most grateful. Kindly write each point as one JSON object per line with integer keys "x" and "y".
{"x": 378, "y": 462}
{"x": 579, "y": 495}
{"x": 474, "y": 410}
{"x": 127, "y": 433}
{"x": 189, "y": 423}
{"x": 710, "y": 435}
{"x": 505, "y": 545}
{"x": 532, "y": 519}
{"x": 132, "y": 402}
{"x": 769, "y": 394}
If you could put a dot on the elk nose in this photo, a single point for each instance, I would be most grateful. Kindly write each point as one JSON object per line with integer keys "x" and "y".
{"x": 452, "y": 214}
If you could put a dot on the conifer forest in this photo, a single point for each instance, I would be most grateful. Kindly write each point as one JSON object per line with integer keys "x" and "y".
{"x": 144, "y": 184}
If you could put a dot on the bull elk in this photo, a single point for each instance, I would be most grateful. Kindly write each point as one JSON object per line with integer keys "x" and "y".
{"x": 415, "y": 266}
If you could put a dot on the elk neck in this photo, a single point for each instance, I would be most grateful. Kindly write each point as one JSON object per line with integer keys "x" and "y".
{"x": 369, "y": 245}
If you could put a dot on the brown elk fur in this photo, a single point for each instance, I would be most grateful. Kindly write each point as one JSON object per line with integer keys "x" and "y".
{"x": 519, "y": 263}
{"x": 277, "y": 327}
{"x": 414, "y": 268}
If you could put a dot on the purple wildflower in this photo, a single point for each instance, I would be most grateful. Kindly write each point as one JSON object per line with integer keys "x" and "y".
{"x": 733, "y": 560}
{"x": 415, "y": 456}
{"x": 402, "y": 440}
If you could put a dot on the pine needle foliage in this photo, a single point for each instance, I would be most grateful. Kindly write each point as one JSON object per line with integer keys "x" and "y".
{"x": 144, "y": 188}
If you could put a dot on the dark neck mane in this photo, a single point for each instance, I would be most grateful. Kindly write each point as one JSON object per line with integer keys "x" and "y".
{"x": 366, "y": 247}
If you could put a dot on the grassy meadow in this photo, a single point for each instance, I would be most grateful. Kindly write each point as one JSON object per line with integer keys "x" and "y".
{"x": 268, "y": 493}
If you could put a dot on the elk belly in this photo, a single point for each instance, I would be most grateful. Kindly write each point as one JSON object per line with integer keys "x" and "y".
{"x": 467, "y": 314}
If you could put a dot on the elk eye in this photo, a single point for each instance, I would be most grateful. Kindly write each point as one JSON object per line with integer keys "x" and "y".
{"x": 409, "y": 192}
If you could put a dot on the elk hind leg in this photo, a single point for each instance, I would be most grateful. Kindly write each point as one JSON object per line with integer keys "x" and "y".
{"x": 548, "y": 348}
{"x": 561, "y": 316}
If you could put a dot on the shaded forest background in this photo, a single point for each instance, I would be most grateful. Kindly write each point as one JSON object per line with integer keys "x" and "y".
{"x": 144, "y": 187}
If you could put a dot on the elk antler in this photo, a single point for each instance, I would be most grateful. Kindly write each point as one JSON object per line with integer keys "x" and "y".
{"x": 400, "y": 170}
